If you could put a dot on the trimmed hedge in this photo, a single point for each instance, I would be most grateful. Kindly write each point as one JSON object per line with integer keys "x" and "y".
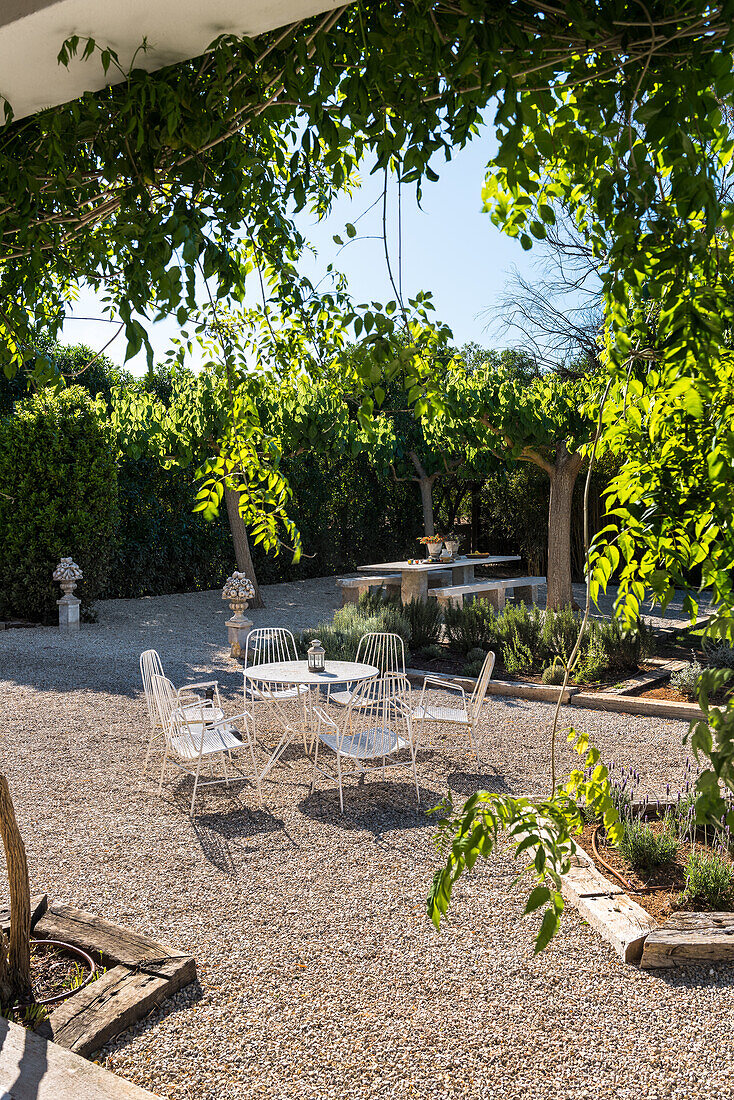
{"x": 162, "y": 545}
{"x": 58, "y": 497}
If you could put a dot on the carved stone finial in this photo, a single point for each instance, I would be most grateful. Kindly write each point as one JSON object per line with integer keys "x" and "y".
{"x": 238, "y": 590}
{"x": 68, "y": 574}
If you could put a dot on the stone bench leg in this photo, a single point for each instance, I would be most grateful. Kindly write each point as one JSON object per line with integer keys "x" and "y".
{"x": 439, "y": 580}
{"x": 496, "y": 597}
{"x": 351, "y": 593}
{"x": 393, "y": 589}
{"x": 526, "y": 594}
{"x": 449, "y": 601}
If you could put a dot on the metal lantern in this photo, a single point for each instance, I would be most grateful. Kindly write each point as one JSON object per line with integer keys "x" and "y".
{"x": 316, "y": 656}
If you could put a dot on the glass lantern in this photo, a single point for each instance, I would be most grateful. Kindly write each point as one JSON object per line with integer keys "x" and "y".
{"x": 316, "y": 656}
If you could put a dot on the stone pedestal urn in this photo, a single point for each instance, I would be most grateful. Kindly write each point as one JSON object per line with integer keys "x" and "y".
{"x": 68, "y": 574}
{"x": 238, "y": 591}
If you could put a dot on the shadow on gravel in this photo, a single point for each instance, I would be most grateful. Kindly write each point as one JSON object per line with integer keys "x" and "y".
{"x": 469, "y": 782}
{"x": 709, "y": 975}
{"x": 215, "y": 828}
{"x": 371, "y": 805}
{"x": 81, "y": 664}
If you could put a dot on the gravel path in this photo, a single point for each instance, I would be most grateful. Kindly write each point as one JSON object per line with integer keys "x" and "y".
{"x": 319, "y": 974}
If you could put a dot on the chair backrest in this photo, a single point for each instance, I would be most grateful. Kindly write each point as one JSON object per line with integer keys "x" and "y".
{"x": 480, "y": 691}
{"x": 378, "y": 710}
{"x": 164, "y": 695}
{"x": 268, "y": 644}
{"x": 182, "y": 719}
{"x": 383, "y": 651}
{"x": 150, "y": 666}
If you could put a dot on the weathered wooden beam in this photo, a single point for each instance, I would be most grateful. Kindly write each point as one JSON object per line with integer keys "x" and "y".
{"x": 585, "y": 881}
{"x": 687, "y": 938}
{"x": 620, "y": 921}
{"x": 116, "y": 1001}
{"x": 103, "y": 940}
{"x": 39, "y": 904}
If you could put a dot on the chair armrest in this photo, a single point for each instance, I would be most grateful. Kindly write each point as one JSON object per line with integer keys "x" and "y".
{"x": 245, "y": 717}
{"x": 185, "y": 698}
{"x": 203, "y": 684}
{"x": 443, "y": 685}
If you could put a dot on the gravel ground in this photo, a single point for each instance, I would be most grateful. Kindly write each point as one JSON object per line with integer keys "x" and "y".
{"x": 319, "y": 974}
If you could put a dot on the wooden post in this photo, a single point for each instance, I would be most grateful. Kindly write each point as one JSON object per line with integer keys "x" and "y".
{"x": 15, "y": 962}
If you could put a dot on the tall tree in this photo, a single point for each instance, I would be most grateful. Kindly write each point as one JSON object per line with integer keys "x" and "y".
{"x": 491, "y": 410}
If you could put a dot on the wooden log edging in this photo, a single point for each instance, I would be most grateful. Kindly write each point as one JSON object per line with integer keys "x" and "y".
{"x": 616, "y": 917}
{"x": 687, "y": 938}
{"x": 683, "y": 939}
{"x": 142, "y": 973}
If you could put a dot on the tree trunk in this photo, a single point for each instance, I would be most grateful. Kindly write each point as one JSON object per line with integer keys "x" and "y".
{"x": 15, "y": 966}
{"x": 241, "y": 542}
{"x": 562, "y": 481}
{"x": 425, "y": 484}
{"x": 476, "y": 504}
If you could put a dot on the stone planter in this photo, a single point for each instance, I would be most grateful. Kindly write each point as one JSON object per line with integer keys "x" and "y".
{"x": 452, "y": 545}
{"x": 434, "y": 550}
{"x": 67, "y": 573}
{"x": 238, "y": 591}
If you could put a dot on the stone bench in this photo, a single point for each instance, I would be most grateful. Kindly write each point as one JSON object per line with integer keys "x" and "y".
{"x": 525, "y": 590}
{"x": 353, "y": 587}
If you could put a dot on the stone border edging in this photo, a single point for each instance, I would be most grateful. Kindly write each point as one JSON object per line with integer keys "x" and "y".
{"x": 33, "y": 1067}
{"x": 632, "y": 704}
{"x": 142, "y": 974}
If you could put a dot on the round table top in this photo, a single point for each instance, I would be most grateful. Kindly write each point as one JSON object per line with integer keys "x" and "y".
{"x": 296, "y": 672}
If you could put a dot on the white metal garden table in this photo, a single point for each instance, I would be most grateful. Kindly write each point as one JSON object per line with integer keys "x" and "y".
{"x": 414, "y": 578}
{"x": 297, "y": 674}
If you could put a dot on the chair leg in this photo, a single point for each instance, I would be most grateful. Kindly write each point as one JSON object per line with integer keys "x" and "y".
{"x": 255, "y": 771}
{"x": 163, "y": 770}
{"x": 313, "y": 770}
{"x": 151, "y": 739}
{"x": 339, "y": 776}
{"x": 415, "y": 777}
{"x": 472, "y": 742}
{"x": 196, "y": 783}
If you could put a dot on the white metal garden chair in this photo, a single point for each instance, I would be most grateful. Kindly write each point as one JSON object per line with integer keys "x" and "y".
{"x": 271, "y": 645}
{"x": 465, "y": 712}
{"x": 192, "y": 738}
{"x": 383, "y": 651}
{"x": 159, "y": 707}
{"x": 376, "y": 728}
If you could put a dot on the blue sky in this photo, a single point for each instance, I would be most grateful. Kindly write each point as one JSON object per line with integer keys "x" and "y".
{"x": 449, "y": 247}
